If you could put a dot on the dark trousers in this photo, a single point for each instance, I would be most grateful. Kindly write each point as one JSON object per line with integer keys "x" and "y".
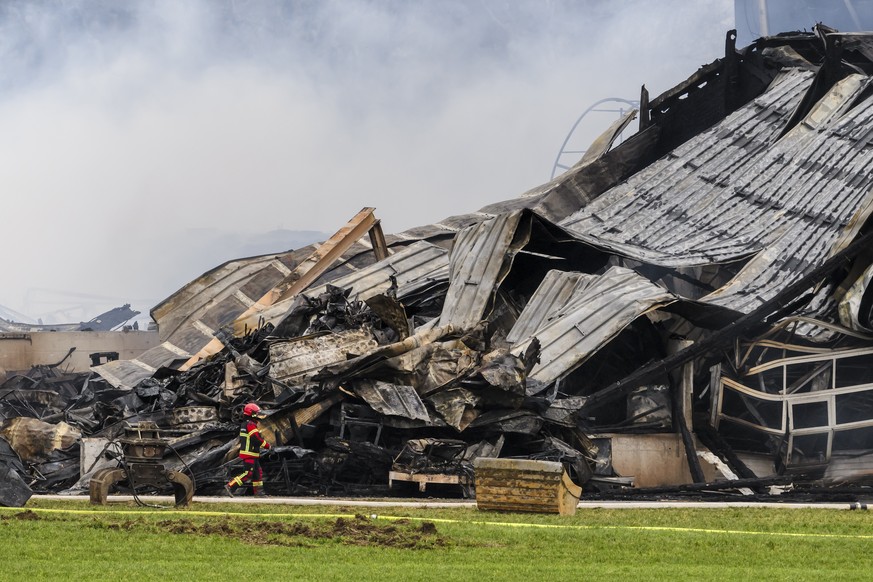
{"x": 253, "y": 474}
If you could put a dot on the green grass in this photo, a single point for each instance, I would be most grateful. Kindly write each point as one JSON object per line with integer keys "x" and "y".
{"x": 76, "y": 541}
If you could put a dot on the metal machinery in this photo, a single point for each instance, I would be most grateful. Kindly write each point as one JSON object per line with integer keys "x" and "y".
{"x": 142, "y": 450}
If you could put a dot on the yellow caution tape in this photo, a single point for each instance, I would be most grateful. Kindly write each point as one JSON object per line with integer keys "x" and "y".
{"x": 442, "y": 520}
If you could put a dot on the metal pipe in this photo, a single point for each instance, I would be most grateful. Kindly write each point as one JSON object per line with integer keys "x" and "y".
{"x": 763, "y": 20}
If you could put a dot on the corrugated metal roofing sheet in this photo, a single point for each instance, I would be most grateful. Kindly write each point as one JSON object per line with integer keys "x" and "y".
{"x": 682, "y": 210}
{"x": 419, "y": 261}
{"x": 129, "y": 373}
{"x": 412, "y": 265}
{"x": 596, "y": 313}
{"x": 188, "y": 319}
{"x": 479, "y": 260}
{"x": 228, "y": 289}
{"x": 819, "y": 180}
{"x": 297, "y": 360}
{"x": 392, "y": 399}
{"x": 736, "y": 191}
{"x": 555, "y": 291}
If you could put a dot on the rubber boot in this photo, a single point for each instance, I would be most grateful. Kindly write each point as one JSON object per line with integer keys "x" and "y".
{"x": 258, "y": 492}
{"x": 228, "y": 492}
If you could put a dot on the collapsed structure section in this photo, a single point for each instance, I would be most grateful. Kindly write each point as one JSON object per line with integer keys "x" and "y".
{"x": 688, "y": 309}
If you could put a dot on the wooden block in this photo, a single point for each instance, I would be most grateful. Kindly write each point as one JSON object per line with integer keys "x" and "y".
{"x": 525, "y": 485}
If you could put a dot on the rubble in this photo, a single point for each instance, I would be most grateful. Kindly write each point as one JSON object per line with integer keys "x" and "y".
{"x": 703, "y": 287}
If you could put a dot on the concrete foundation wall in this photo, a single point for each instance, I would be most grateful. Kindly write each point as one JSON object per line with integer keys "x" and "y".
{"x": 654, "y": 460}
{"x": 21, "y": 351}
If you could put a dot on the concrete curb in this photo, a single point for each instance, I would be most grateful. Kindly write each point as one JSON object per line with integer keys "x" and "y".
{"x": 432, "y": 504}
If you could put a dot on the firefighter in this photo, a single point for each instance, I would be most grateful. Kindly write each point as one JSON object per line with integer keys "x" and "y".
{"x": 250, "y": 444}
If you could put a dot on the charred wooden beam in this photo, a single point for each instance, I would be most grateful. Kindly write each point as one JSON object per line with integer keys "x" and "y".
{"x": 718, "y": 445}
{"x": 645, "y": 115}
{"x": 732, "y": 99}
{"x": 687, "y": 439}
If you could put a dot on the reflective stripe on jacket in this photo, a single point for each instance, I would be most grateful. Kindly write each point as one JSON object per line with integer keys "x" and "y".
{"x": 250, "y": 440}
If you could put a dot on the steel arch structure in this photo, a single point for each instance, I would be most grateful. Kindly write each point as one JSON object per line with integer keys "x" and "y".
{"x": 594, "y": 108}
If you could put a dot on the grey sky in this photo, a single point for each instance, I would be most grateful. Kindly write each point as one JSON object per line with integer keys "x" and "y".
{"x": 144, "y": 142}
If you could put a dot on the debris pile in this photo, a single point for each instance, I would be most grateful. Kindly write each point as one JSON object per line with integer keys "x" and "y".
{"x": 704, "y": 282}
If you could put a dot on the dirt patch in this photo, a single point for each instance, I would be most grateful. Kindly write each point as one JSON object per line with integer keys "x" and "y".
{"x": 26, "y": 515}
{"x": 358, "y": 531}
{"x": 29, "y": 515}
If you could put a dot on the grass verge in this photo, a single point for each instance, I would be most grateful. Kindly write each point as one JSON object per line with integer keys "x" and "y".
{"x": 70, "y": 540}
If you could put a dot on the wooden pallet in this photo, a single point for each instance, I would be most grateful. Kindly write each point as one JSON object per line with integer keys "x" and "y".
{"x": 424, "y": 479}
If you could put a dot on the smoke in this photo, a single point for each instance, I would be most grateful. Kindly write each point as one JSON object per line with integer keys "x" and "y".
{"x": 143, "y": 143}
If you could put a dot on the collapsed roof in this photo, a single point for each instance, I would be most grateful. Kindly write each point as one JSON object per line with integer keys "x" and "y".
{"x": 744, "y": 199}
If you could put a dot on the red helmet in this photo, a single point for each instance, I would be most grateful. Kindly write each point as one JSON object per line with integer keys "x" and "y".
{"x": 251, "y": 409}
